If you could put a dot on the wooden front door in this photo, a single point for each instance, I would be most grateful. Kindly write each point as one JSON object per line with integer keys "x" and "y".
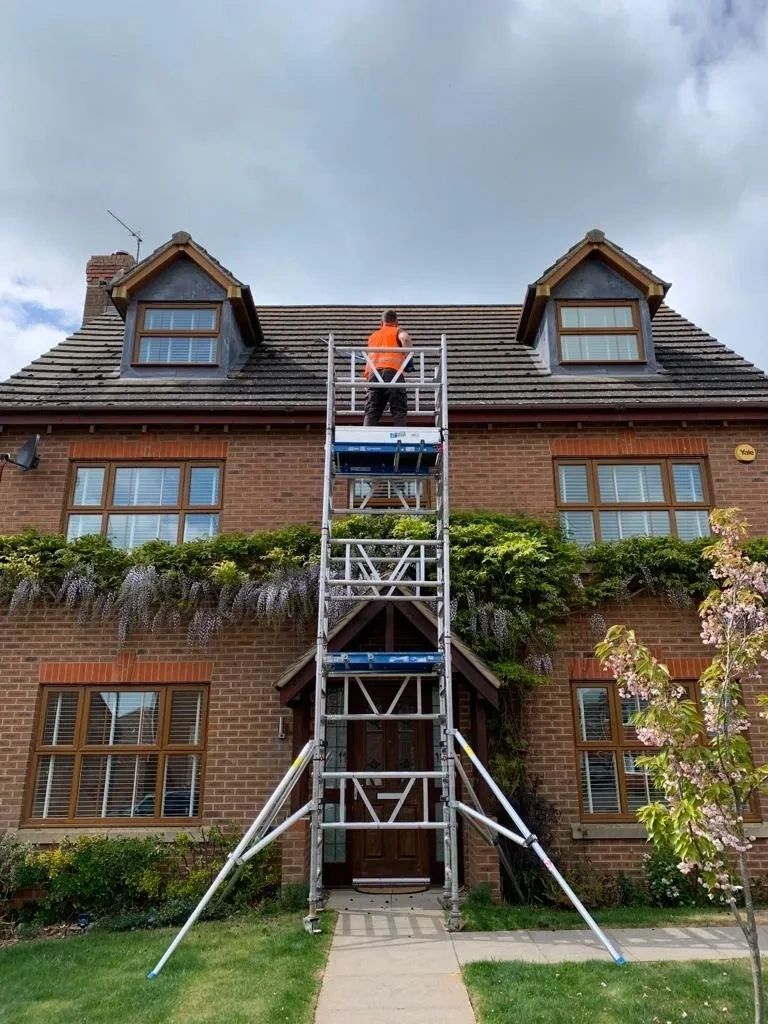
{"x": 390, "y": 746}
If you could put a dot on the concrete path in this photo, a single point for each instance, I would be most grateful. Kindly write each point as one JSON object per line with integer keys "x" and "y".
{"x": 392, "y": 961}
{"x": 635, "y": 943}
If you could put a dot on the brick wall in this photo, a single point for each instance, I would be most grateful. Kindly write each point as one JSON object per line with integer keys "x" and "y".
{"x": 274, "y": 475}
{"x": 672, "y": 634}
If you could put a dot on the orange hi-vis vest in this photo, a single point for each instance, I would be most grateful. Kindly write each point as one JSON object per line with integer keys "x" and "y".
{"x": 385, "y": 337}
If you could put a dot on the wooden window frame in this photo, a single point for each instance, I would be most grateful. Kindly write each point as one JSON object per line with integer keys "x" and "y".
{"x": 617, "y": 745}
{"x": 141, "y": 332}
{"x": 596, "y": 505}
{"x": 635, "y": 329}
{"x": 106, "y": 508}
{"x": 79, "y": 749}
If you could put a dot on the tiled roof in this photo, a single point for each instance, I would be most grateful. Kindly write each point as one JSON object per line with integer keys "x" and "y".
{"x": 487, "y": 367}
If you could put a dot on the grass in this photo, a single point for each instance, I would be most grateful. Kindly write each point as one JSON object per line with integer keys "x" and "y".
{"x": 253, "y": 969}
{"x": 693, "y": 992}
{"x": 487, "y": 917}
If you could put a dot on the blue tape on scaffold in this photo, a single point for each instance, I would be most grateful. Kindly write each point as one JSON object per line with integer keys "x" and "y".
{"x": 383, "y": 661}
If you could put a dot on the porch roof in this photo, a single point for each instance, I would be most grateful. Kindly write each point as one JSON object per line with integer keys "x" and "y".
{"x": 465, "y": 662}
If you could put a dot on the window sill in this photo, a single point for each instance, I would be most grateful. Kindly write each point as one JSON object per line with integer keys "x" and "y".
{"x": 634, "y": 830}
{"x": 53, "y": 836}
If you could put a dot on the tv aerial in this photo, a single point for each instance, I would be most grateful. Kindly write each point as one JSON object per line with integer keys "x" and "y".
{"x": 130, "y": 231}
{"x": 25, "y": 458}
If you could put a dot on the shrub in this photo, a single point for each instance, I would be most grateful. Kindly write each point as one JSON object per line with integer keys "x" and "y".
{"x": 667, "y": 885}
{"x": 629, "y": 892}
{"x": 595, "y": 888}
{"x": 100, "y": 876}
{"x": 12, "y": 857}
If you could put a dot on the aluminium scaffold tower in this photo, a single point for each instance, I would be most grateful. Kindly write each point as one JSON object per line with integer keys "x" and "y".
{"x": 408, "y": 468}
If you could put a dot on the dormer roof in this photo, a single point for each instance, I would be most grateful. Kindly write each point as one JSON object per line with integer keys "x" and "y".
{"x": 123, "y": 287}
{"x": 593, "y": 245}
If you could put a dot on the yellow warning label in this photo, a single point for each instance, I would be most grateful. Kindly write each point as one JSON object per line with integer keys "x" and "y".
{"x": 469, "y": 750}
{"x": 297, "y": 762}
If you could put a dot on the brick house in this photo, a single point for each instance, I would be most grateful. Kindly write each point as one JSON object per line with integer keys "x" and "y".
{"x": 184, "y": 408}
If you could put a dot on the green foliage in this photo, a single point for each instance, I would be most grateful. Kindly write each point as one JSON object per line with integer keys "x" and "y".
{"x": 12, "y": 857}
{"x": 667, "y": 885}
{"x": 659, "y": 565}
{"x": 130, "y": 882}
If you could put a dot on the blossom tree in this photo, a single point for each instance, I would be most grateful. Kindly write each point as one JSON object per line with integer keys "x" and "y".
{"x": 702, "y": 761}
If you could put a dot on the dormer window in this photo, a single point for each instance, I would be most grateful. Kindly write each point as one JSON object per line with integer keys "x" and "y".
{"x": 185, "y": 334}
{"x": 599, "y": 332}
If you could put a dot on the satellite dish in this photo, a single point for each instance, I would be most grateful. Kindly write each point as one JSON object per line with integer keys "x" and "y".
{"x": 26, "y": 457}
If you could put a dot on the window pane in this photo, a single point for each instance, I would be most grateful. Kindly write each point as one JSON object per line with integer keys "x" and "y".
{"x": 600, "y": 348}
{"x": 197, "y": 527}
{"x": 620, "y": 525}
{"x": 204, "y": 485}
{"x": 117, "y": 785}
{"x": 688, "y": 482}
{"x": 181, "y": 786}
{"x": 89, "y": 485}
{"x": 83, "y": 526}
{"x": 596, "y": 316}
{"x": 574, "y": 488}
{"x": 388, "y": 489}
{"x": 640, "y": 789}
{"x": 594, "y": 713}
{"x": 129, "y": 532}
{"x": 629, "y": 707}
{"x": 629, "y": 484}
{"x": 180, "y": 319}
{"x": 692, "y": 524}
{"x": 177, "y": 350}
{"x": 147, "y": 486}
{"x": 123, "y": 718}
{"x": 599, "y": 782}
{"x": 186, "y": 717}
{"x": 60, "y": 719}
{"x": 53, "y": 785}
{"x": 578, "y": 526}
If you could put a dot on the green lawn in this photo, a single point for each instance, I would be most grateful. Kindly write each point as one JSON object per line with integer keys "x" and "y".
{"x": 481, "y": 917}
{"x": 249, "y": 969}
{"x": 598, "y": 993}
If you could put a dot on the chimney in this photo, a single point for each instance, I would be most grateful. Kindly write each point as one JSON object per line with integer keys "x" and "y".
{"x": 99, "y": 272}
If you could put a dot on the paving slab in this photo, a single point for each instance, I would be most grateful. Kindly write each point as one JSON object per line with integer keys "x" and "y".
{"x": 392, "y": 962}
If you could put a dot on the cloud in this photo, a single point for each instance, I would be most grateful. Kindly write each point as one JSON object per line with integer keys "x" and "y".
{"x": 413, "y": 150}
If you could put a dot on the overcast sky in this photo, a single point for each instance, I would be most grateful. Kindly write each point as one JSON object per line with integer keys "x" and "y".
{"x": 385, "y": 151}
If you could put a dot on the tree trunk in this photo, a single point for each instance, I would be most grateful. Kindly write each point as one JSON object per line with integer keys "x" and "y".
{"x": 749, "y": 928}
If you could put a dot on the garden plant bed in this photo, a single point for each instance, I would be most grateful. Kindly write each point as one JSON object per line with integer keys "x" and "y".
{"x": 700, "y": 992}
{"x": 254, "y": 969}
{"x": 504, "y": 917}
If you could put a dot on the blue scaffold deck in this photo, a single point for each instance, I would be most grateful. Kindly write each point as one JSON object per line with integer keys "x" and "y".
{"x": 384, "y": 451}
{"x": 381, "y": 662}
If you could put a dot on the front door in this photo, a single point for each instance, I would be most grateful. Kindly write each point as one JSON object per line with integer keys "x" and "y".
{"x": 390, "y": 746}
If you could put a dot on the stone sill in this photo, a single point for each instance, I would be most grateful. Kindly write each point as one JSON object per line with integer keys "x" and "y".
{"x": 634, "y": 830}
{"x": 53, "y": 836}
